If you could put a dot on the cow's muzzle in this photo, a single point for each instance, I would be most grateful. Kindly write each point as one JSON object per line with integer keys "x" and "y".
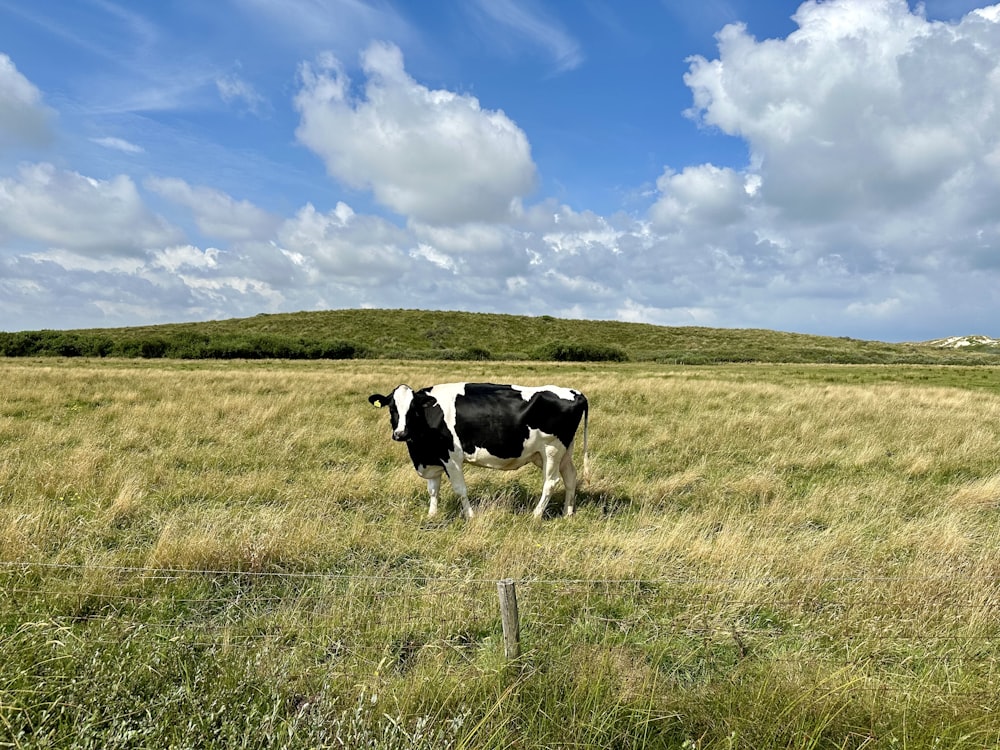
{"x": 401, "y": 436}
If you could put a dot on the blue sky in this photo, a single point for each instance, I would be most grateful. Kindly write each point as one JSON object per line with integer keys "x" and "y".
{"x": 827, "y": 167}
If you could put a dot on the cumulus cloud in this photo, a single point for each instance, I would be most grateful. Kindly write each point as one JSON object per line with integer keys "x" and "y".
{"x": 477, "y": 251}
{"x": 216, "y": 214}
{"x": 66, "y": 210}
{"x": 632, "y": 312}
{"x": 867, "y": 107}
{"x": 568, "y": 232}
{"x": 342, "y": 245}
{"x": 225, "y": 291}
{"x": 186, "y": 256}
{"x": 872, "y": 182}
{"x": 24, "y": 119}
{"x": 434, "y": 256}
{"x": 702, "y": 195}
{"x": 431, "y": 155}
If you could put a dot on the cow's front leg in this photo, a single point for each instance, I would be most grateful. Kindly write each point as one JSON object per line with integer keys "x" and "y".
{"x": 457, "y": 478}
{"x": 434, "y": 488}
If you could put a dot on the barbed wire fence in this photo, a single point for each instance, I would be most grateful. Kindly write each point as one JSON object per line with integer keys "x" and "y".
{"x": 394, "y": 623}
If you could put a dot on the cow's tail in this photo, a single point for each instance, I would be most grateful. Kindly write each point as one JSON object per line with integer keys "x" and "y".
{"x": 586, "y": 457}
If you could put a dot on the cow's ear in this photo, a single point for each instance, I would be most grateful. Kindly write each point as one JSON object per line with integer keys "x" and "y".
{"x": 378, "y": 401}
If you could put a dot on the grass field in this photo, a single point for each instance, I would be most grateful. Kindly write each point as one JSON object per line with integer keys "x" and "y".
{"x": 234, "y": 554}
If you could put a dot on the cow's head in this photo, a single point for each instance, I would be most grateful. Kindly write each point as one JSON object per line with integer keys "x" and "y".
{"x": 399, "y": 403}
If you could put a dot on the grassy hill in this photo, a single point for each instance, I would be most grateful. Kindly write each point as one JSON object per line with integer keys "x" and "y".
{"x": 420, "y": 334}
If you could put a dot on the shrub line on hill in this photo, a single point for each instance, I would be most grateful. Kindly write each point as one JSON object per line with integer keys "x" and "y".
{"x": 427, "y": 335}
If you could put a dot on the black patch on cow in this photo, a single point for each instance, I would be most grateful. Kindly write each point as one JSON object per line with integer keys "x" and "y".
{"x": 497, "y": 418}
{"x": 429, "y": 441}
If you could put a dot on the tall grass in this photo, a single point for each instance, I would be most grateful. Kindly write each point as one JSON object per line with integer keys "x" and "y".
{"x": 235, "y": 554}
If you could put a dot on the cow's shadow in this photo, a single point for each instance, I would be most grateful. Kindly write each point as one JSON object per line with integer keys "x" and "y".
{"x": 512, "y": 496}
{"x": 609, "y": 502}
{"x": 521, "y": 497}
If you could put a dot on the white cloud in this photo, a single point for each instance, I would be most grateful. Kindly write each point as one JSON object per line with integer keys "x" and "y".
{"x": 475, "y": 250}
{"x": 632, "y": 312}
{"x": 434, "y": 257}
{"x": 465, "y": 240}
{"x": 432, "y": 155}
{"x": 235, "y": 90}
{"x": 575, "y": 287}
{"x": 24, "y": 119}
{"x": 866, "y": 107}
{"x": 876, "y": 308}
{"x": 702, "y": 195}
{"x": 343, "y": 24}
{"x": 566, "y": 232}
{"x": 222, "y": 289}
{"x": 70, "y": 261}
{"x": 365, "y": 250}
{"x": 63, "y": 209}
{"x": 871, "y": 185}
{"x": 529, "y": 23}
{"x": 118, "y": 144}
{"x": 181, "y": 256}
{"x": 216, "y": 214}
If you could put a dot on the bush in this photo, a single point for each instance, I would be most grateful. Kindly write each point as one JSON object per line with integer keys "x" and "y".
{"x": 152, "y": 348}
{"x": 473, "y": 353}
{"x": 581, "y": 353}
{"x": 53, "y": 344}
{"x": 478, "y": 353}
{"x": 17, "y": 344}
{"x": 335, "y": 350}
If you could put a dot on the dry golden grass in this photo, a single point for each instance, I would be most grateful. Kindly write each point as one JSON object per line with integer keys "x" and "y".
{"x": 727, "y": 465}
{"x": 827, "y": 517}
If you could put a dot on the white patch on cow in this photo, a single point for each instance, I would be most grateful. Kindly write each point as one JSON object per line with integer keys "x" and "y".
{"x": 446, "y": 394}
{"x": 482, "y": 457}
{"x": 528, "y": 391}
{"x": 537, "y": 441}
{"x": 403, "y": 396}
{"x": 430, "y": 472}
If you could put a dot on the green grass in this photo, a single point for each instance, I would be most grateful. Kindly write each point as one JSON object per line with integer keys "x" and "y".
{"x": 418, "y": 334}
{"x": 235, "y": 554}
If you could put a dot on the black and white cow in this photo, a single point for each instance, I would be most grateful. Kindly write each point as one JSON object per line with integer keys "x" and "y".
{"x": 497, "y": 426}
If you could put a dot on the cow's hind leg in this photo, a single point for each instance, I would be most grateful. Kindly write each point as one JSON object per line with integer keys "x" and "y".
{"x": 457, "y": 478}
{"x": 550, "y": 469}
{"x": 568, "y": 471}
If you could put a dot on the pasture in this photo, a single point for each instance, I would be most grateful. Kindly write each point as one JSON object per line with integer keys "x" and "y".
{"x": 235, "y": 554}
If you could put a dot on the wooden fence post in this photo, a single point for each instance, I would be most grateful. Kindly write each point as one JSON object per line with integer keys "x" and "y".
{"x": 509, "y": 619}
